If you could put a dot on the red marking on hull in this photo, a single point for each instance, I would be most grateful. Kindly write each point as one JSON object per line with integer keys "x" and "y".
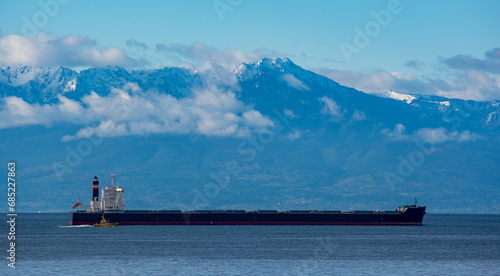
{"x": 259, "y": 223}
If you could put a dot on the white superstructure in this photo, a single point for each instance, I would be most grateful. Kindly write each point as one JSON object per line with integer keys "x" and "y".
{"x": 111, "y": 199}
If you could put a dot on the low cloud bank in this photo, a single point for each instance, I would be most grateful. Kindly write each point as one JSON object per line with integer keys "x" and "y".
{"x": 131, "y": 111}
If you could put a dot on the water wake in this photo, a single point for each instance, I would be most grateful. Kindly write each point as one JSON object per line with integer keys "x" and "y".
{"x": 74, "y": 226}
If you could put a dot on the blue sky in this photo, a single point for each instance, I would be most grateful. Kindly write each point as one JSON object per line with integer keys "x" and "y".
{"x": 413, "y": 51}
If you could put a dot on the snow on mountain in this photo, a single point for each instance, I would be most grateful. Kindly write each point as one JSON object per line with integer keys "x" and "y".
{"x": 397, "y": 96}
{"x": 70, "y": 86}
{"x": 43, "y": 84}
{"x": 334, "y": 152}
{"x": 36, "y": 84}
{"x": 51, "y": 76}
{"x": 101, "y": 79}
{"x": 248, "y": 71}
{"x": 172, "y": 80}
{"x": 265, "y": 84}
{"x": 282, "y": 69}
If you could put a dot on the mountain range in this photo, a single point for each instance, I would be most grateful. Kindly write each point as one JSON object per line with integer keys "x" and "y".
{"x": 305, "y": 141}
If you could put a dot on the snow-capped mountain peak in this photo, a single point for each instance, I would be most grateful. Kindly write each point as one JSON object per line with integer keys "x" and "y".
{"x": 265, "y": 84}
{"x": 23, "y": 75}
{"x": 284, "y": 70}
{"x": 280, "y": 64}
{"x": 269, "y": 65}
{"x": 397, "y": 96}
{"x": 37, "y": 84}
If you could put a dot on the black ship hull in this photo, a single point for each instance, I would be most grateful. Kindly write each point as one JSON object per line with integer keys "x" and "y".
{"x": 412, "y": 215}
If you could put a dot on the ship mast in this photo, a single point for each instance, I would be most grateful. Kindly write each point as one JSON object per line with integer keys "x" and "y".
{"x": 112, "y": 179}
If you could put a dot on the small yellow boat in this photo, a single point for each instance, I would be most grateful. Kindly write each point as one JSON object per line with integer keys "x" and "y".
{"x": 105, "y": 223}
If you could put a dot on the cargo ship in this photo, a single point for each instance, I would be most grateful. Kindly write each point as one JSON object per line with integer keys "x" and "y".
{"x": 110, "y": 205}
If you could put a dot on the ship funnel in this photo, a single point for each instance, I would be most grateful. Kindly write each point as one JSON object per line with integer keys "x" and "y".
{"x": 95, "y": 189}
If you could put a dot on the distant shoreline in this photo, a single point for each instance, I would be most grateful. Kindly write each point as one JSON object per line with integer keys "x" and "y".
{"x": 428, "y": 213}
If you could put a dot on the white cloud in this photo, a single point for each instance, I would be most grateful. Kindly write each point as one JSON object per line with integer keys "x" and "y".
{"x": 255, "y": 119}
{"x": 215, "y": 100}
{"x": 289, "y": 113}
{"x": 49, "y": 50}
{"x": 467, "y": 136}
{"x": 429, "y": 135}
{"x": 76, "y": 51}
{"x": 395, "y": 134}
{"x": 295, "y": 134}
{"x": 331, "y": 108}
{"x": 292, "y": 81}
{"x": 200, "y": 55}
{"x": 440, "y": 135}
{"x": 473, "y": 85}
{"x": 461, "y": 77}
{"x": 358, "y": 116}
{"x": 376, "y": 81}
{"x": 130, "y": 111}
{"x": 16, "y": 112}
{"x": 433, "y": 135}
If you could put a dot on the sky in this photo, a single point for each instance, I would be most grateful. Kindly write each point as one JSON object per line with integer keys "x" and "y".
{"x": 445, "y": 48}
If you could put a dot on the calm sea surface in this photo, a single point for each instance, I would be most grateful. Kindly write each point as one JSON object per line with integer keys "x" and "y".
{"x": 445, "y": 245}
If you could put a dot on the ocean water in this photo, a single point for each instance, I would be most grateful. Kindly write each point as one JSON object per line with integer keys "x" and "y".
{"x": 444, "y": 245}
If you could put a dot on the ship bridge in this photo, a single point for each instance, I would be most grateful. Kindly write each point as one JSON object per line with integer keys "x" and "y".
{"x": 112, "y": 198}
